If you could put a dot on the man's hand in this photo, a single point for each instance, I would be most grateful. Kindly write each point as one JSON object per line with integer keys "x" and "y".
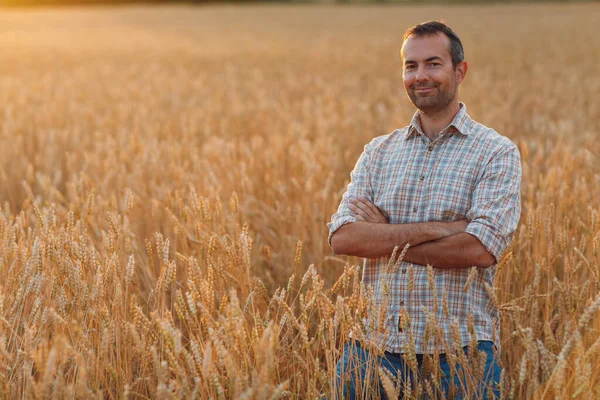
{"x": 372, "y": 235}
{"x": 462, "y": 250}
{"x": 363, "y": 210}
{"x": 458, "y": 226}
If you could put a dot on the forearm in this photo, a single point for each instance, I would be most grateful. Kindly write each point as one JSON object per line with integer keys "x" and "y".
{"x": 372, "y": 240}
{"x": 461, "y": 250}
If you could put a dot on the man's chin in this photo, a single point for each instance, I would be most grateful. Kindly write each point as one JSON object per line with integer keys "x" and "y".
{"x": 429, "y": 104}
{"x": 426, "y": 104}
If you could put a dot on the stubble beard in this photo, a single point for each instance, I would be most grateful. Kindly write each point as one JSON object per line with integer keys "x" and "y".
{"x": 434, "y": 103}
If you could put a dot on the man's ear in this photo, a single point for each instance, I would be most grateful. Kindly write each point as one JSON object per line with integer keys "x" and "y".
{"x": 461, "y": 71}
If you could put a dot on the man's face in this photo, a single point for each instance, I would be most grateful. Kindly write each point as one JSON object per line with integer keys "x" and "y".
{"x": 430, "y": 80}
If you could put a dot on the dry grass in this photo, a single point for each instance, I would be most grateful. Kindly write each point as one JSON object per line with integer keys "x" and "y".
{"x": 167, "y": 174}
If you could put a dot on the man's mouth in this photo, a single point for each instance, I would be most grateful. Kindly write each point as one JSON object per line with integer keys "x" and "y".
{"x": 424, "y": 89}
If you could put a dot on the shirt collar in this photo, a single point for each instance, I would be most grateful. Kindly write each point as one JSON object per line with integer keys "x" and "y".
{"x": 461, "y": 123}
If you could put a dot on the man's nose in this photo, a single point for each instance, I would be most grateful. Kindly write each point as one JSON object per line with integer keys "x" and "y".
{"x": 421, "y": 76}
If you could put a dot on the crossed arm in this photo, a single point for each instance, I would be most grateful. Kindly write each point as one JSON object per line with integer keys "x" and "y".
{"x": 440, "y": 244}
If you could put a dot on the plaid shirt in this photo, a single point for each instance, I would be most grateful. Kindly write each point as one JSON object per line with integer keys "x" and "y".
{"x": 469, "y": 171}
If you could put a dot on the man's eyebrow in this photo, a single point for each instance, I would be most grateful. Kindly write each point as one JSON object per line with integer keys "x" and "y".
{"x": 436, "y": 58}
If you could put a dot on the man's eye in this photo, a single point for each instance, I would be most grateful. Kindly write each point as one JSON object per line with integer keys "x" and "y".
{"x": 434, "y": 64}
{"x": 409, "y": 67}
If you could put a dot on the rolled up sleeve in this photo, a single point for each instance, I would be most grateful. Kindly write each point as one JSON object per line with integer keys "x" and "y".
{"x": 359, "y": 186}
{"x": 496, "y": 201}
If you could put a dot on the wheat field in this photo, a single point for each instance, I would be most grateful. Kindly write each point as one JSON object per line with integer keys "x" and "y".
{"x": 167, "y": 174}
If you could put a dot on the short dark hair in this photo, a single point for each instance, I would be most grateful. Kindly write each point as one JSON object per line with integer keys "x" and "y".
{"x": 431, "y": 28}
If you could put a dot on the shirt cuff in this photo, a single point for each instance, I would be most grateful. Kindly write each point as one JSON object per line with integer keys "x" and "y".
{"x": 489, "y": 236}
{"x": 337, "y": 223}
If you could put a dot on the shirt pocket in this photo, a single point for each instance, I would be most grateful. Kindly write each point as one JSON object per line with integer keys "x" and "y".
{"x": 450, "y": 194}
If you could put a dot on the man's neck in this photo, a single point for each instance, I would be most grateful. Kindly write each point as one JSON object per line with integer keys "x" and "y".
{"x": 433, "y": 123}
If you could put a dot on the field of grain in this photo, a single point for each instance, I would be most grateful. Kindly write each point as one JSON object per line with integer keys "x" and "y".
{"x": 167, "y": 174}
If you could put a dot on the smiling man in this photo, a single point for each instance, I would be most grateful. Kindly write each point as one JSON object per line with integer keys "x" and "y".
{"x": 448, "y": 187}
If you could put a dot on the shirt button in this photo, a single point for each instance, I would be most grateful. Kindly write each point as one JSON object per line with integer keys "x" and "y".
{"x": 401, "y": 304}
{"x": 422, "y": 177}
{"x": 403, "y": 270}
{"x": 430, "y": 147}
{"x": 414, "y": 209}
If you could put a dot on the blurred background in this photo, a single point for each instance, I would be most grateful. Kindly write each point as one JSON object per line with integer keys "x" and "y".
{"x": 151, "y": 153}
{"x": 23, "y": 3}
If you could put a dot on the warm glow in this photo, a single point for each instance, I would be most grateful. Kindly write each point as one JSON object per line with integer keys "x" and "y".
{"x": 165, "y": 169}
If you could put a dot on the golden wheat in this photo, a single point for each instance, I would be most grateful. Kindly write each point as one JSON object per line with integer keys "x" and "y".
{"x": 168, "y": 172}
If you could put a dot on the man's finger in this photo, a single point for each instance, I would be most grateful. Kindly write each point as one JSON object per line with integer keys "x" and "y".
{"x": 359, "y": 217}
{"x": 379, "y": 211}
{"x": 374, "y": 210}
{"x": 364, "y": 208}
{"x": 356, "y": 211}
{"x": 354, "y": 208}
{"x": 369, "y": 208}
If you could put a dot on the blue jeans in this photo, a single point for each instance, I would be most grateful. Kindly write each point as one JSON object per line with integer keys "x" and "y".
{"x": 356, "y": 363}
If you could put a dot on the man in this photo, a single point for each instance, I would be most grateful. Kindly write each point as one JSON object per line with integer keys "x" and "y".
{"x": 449, "y": 188}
